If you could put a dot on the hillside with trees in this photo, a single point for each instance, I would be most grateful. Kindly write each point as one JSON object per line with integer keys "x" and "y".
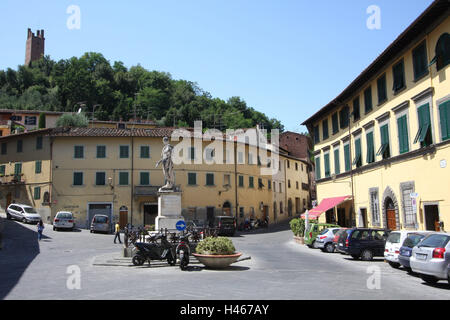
{"x": 114, "y": 92}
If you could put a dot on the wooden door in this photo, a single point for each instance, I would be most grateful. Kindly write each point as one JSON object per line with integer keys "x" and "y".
{"x": 123, "y": 219}
{"x": 391, "y": 220}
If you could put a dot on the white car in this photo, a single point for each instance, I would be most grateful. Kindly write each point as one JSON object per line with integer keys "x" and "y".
{"x": 63, "y": 220}
{"x": 393, "y": 245}
{"x": 22, "y": 212}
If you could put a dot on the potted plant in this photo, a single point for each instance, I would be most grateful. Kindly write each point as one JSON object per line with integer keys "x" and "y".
{"x": 298, "y": 228}
{"x": 216, "y": 252}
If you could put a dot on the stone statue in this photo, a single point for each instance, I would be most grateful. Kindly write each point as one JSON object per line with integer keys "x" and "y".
{"x": 167, "y": 164}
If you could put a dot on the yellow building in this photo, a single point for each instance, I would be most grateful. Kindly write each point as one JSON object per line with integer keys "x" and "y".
{"x": 112, "y": 171}
{"x": 385, "y": 140}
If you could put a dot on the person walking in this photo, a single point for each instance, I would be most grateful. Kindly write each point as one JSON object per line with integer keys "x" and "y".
{"x": 40, "y": 227}
{"x": 117, "y": 233}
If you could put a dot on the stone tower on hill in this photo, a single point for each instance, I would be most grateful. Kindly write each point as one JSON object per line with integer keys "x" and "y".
{"x": 35, "y": 46}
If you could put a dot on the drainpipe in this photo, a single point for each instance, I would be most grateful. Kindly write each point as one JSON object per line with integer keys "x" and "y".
{"x": 132, "y": 176}
{"x": 235, "y": 181}
{"x": 351, "y": 163}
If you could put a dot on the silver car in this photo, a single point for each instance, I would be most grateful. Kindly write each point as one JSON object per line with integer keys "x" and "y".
{"x": 100, "y": 223}
{"x": 431, "y": 257}
{"x": 324, "y": 240}
{"x": 22, "y": 212}
{"x": 64, "y": 220}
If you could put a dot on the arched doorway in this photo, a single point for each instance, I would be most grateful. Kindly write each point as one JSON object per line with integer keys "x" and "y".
{"x": 390, "y": 214}
{"x": 390, "y": 210}
{"x": 226, "y": 208}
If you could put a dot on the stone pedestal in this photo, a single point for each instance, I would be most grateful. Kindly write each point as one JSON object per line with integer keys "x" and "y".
{"x": 169, "y": 210}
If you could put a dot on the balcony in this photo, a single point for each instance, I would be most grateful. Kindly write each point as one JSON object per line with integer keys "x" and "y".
{"x": 12, "y": 179}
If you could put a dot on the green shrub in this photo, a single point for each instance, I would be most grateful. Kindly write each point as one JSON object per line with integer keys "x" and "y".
{"x": 72, "y": 120}
{"x": 298, "y": 226}
{"x": 216, "y": 246}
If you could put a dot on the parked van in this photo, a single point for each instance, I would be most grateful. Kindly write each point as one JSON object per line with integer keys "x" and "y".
{"x": 100, "y": 223}
{"x": 22, "y": 212}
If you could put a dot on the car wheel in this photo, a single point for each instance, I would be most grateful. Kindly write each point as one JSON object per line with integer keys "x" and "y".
{"x": 366, "y": 255}
{"x": 8, "y": 216}
{"x": 429, "y": 279}
{"x": 24, "y": 220}
{"x": 355, "y": 256}
{"x": 92, "y": 231}
{"x": 54, "y": 228}
{"x": 394, "y": 264}
{"x": 329, "y": 248}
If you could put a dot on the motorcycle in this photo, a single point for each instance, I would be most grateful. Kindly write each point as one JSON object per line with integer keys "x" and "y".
{"x": 163, "y": 250}
{"x": 183, "y": 249}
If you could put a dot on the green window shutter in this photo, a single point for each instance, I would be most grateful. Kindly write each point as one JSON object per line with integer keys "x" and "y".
{"x": 145, "y": 152}
{"x": 17, "y": 168}
{"x": 424, "y": 134}
{"x": 101, "y": 152}
{"x": 124, "y": 151}
{"x": 335, "y": 123}
{"x": 356, "y": 109}
{"x": 210, "y": 179}
{"x": 123, "y": 178}
{"x": 100, "y": 178}
{"x": 347, "y": 157}
{"x": 325, "y": 129}
{"x": 39, "y": 143}
{"x": 399, "y": 76}
{"x": 316, "y": 134}
{"x": 251, "y": 182}
{"x": 37, "y": 193}
{"x": 78, "y": 152}
{"x": 370, "y": 148}
{"x": 317, "y": 168}
{"x": 368, "y": 100}
{"x": 192, "y": 153}
{"x": 192, "y": 178}
{"x": 384, "y": 149}
{"x": 78, "y": 178}
{"x": 2, "y": 169}
{"x": 420, "y": 61}
{"x": 145, "y": 178}
{"x": 403, "y": 134}
{"x": 326, "y": 160}
{"x": 241, "y": 181}
{"x": 358, "y": 157}
{"x": 382, "y": 89}
{"x": 38, "y": 166}
{"x": 337, "y": 165}
{"x": 444, "y": 112}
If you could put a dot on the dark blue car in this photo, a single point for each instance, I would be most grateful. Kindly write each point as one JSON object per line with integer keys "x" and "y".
{"x": 364, "y": 243}
{"x": 410, "y": 242}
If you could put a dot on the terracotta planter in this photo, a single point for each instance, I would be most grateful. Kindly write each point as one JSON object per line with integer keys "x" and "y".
{"x": 217, "y": 261}
{"x": 299, "y": 240}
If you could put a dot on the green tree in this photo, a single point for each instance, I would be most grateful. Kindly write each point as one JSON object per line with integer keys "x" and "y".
{"x": 41, "y": 121}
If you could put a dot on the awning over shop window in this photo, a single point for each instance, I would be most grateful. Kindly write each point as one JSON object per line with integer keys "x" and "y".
{"x": 325, "y": 205}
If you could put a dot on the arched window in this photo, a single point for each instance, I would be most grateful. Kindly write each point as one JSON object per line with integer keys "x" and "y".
{"x": 442, "y": 50}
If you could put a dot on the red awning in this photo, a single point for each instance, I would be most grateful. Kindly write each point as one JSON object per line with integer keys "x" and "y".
{"x": 324, "y": 206}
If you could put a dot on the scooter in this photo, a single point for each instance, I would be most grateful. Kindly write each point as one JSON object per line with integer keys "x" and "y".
{"x": 154, "y": 251}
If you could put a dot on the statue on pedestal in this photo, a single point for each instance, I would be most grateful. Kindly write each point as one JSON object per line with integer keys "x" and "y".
{"x": 167, "y": 166}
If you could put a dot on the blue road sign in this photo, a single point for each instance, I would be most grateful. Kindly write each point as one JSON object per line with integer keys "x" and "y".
{"x": 181, "y": 225}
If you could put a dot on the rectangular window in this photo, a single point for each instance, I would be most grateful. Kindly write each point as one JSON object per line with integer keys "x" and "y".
{"x": 37, "y": 193}
{"x": 145, "y": 152}
{"x": 375, "y": 207}
{"x": 343, "y": 115}
{"x": 18, "y": 168}
{"x": 251, "y": 183}
{"x": 260, "y": 183}
{"x": 144, "y": 178}
{"x": 269, "y": 184}
{"x": 382, "y": 89}
{"x": 316, "y": 134}
{"x": 398, "y": 71}
{"x": 337, "y": 164}
{"x": 192, "y": 178}
{"x": 2, "y": 170}
{"x": 325, "y": 129}
{"x": 241, "y": 181}
{"x": 358, "y": 155}
{"x": 4, "y": 148}
{"x": 100, "y": 178}
{"x": 78, "y": 152}
{"x": 420, "y": 61}
{"x": 410, "y": 215}
{"x": 250, "y": 158}
{"x": 384, "y": 150}
{"x": 335, "y": 123}
{"x": 326, "y": 160}
{"x": 101, "y": 152}
{"x": 370, "y": 148}
{"x": 39, "y": 143}
{"x": 124, "y": 152}
{"x": 356, "y": 109}
{"x": 30, "y": 120}
{"x": 227, "y": 179}
{"x": 368, "y": 106}
{"x": 123, "y": 178}
{"x": 38, "y": 166}
{"x": 19, "y": 146}
{"x": 240, "y": 157}
{"x": 402, "y": 125}
{"x": 347, "y": 157}
{"x": 210, "y": 179}
{"x": 191, "y": 153}
{"x": 444, "y": 114}
{"x": 424, "y": 134}
{"x": 318, "y": 168}
{"x": 78, "y": 178}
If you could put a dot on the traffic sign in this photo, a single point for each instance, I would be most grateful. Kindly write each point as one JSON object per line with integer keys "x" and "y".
{"x": 180, "y": 225}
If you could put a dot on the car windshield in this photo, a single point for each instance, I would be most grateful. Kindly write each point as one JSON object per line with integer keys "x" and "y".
{"x": 64, "y": 215}
{"x": 394, "y": 237}
{"x": 29, "y": 210}
{"x": 323, "y": 231}
{"x": 412, "y": 240}
{"x": 435, "y": 241}
{"x": 101, "y": 219}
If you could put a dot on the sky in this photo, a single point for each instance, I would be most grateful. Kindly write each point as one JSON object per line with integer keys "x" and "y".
{"x": 286, "y": 58}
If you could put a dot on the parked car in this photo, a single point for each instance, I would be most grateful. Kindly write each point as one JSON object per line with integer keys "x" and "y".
{"x": 313, "y": 230}
{"x": 63, "y": 220}
{"x": 324, "y": 240}
{"x": 364, "y": 243}
{"x": 226, "y": 225}
{"x": 22, "y": 212}
{"x": 100, "y": 223}
{"x": 431, "y": 257}
{"x": 392, "y": 247}
{"x": 410, "y": 242}
{"x": 338, "y": 234}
